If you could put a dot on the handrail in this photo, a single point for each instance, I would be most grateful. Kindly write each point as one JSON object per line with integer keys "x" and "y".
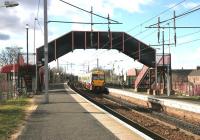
{"x": 141, "y": 75}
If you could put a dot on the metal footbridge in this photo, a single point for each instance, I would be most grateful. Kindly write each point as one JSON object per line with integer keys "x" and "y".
{"x": 121, "y": 41}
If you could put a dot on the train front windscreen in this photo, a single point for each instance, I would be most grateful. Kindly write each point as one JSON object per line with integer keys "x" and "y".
{"x": 98, "y": 77}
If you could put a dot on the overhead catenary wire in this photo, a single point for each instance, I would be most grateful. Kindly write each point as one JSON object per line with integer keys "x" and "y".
{"x": 38, "y": 9}
{"x": 115, "y": 45}
{"x": 165, "y": 47}
{"x": 104, "y": 45}
{"x": 88, "y": 11}
{"x": 183, "y": 14}
{"x": 188, "y": 46}
{"x": 112, "y": 20}
{"x": 196, "y": 8}
{"x": 114, "y": 38}
{"x": 37, "y": 16}
{"x": 185, "y": 35}
{"x": 149, "y": 34}
{"x": 156, "y": 15}
{"x": 187, "y": 42}
{"x": 148, "y": 21}
{"x": 179, "y": 44}
{"x": 139, "y": 24}
{"x": 189, "y": 34}
{"x": 91, "y": 12}
{"x": 82, "y": 22}
{"x": 40, "y": 25}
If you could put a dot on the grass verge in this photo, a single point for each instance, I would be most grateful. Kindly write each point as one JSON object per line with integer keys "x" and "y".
{"x": 12, "y": 113}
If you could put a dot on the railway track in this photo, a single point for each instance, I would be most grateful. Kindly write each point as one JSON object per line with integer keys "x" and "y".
{"x": 195, "y": 129}
{"x": 138, "y": 118}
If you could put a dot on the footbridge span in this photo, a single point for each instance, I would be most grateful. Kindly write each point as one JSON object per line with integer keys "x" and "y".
{"x": 121, "y": 41}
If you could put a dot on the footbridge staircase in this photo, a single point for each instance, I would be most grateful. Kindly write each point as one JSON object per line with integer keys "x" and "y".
{"x": 154, "y": 78}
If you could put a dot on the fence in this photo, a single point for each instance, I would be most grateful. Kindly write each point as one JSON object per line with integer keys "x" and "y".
{"x": 194, "y": 90}
{"x": 186, "y": 88}
{"x": 4, "y": 89}
{"x": 4, "y": 86}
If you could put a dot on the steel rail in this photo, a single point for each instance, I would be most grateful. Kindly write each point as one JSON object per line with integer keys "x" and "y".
{"x": 195, "y": 129}
{"x": 122, "y": 117}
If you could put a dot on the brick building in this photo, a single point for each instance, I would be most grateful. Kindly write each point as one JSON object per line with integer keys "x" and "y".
{"x": 180, "y": 75}
{"x": 194, "y": 76}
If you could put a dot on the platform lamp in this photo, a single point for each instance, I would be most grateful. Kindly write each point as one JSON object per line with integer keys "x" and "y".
{"x": 8, "y": 4}
{"x": 27, "y": 27}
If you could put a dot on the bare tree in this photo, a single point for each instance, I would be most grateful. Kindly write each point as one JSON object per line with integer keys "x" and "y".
{"x": 9, "y": 55}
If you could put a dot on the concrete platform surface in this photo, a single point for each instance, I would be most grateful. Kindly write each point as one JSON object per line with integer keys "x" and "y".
{"x": 68, "y": 116}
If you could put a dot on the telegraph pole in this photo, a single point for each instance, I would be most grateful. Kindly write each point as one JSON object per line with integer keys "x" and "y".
{"x": 91, "y": 34}
{"x": 97, "y": 63}
{"x": 46, "y": 52}
{"x": 163, "y": 52}
{"x": 71, "y": 68}
{"x": 27, "y": 27}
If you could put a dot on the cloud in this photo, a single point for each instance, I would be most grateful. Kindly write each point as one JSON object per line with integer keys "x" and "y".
{"x": 186, "y": 56}
{"x": 190, "y": 5}
{"x": 127, "y": 5}
{"x": 4, "y": 36}
{"x": 103, "y": 7}
{"x": 185, "y": 5}
{"x": 9, "y": 21}
{"x": 30, "y": 4}
{"x": 64, "y": 12}
{"x": 16, "y": 18}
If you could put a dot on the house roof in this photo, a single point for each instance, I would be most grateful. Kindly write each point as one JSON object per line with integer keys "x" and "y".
{"x": 9, "y": 68}
{"x": 181, "y": 72}
{"x": 131, "y": 72}
{"x": 195, "y": 73}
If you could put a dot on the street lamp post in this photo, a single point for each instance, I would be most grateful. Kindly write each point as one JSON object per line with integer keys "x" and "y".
{"x": 27, "y": 27}
{"x": 35, "y": 59}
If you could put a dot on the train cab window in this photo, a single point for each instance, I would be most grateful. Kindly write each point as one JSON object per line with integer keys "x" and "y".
{"x": 95, "y": 76}
{"x": 101, "y": 77}
{"x": 98, "y": 77}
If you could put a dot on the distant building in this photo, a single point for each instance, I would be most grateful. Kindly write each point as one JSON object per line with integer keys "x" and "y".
{"x": 186, "y": 81}
{"x": 180, "y": 80}
{"x": 180, "y": 75}
{"x": 194, "y": 76}
{"x": 131, "y": 76}
{"x": 132, "y": 72}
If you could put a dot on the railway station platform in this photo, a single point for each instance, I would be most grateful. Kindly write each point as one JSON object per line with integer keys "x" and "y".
{"x": 70, "y": 116}
{"x": 179, "y": 103}
{"x": 183, "y": 108}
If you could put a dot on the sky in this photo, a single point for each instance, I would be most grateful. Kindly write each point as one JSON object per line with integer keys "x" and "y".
{"x": 136, "y": 16}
